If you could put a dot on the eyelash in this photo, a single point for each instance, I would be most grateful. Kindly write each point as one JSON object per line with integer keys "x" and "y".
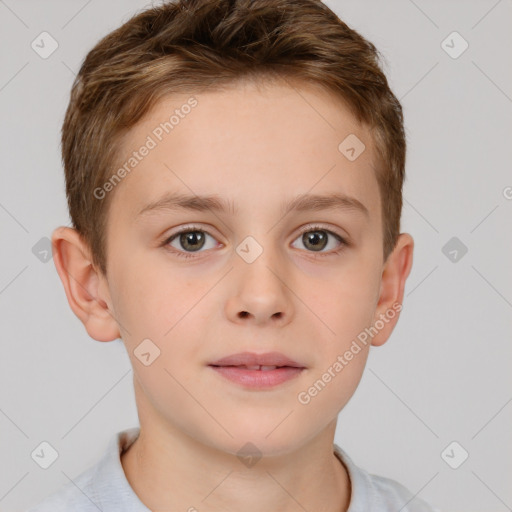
{"x": 192, "y": 229}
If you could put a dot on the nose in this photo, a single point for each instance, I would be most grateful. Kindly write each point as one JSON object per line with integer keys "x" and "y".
{"x": 260, "y": 295}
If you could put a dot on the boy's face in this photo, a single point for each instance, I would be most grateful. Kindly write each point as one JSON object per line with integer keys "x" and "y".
{"x": 209, "y": 295}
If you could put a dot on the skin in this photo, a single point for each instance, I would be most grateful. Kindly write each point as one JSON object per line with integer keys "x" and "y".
{"x": 257, "y": 146}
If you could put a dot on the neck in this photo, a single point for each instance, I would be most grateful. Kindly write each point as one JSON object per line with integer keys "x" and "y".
{"x": 178, "y": 473}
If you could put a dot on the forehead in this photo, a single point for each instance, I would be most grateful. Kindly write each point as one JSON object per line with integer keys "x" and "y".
{"x": 248, "y": 141}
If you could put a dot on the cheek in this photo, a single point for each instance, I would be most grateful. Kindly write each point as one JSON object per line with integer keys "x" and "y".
{"x": 148, "y": 298}
{"x": 157, "y": 305}
{"x": 345, "y": 302}
{"x": 331, "y": 386}
{"x": 169, "y": 392}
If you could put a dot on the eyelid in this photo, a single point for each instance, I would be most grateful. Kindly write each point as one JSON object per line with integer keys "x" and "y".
{"x": 186, "y": 228}
{"x": 324, "y": 227}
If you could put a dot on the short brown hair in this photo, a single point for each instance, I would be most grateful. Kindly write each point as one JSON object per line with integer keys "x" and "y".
{"x": 193, "y": 45}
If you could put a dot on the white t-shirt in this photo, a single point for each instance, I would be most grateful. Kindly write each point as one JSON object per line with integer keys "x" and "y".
{"x": 104, "y": 487}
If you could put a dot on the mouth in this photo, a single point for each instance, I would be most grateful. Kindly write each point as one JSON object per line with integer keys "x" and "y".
{"x": 252, "y": 367}
{"x": 257, "y": 371}
{"x": 253, "y": 361}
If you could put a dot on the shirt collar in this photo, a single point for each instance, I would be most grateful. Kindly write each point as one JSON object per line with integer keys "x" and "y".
{"x": 110, "y": 482}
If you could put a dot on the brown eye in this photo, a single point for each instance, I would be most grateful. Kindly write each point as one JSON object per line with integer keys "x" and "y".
{"x": 316, "y": 239}
{"x": 188, "y": 241}
{"x": 192, "y": 240}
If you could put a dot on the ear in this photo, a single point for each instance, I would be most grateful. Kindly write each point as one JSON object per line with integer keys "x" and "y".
{"x": 395, "y": 273}
{"x": 86, "y": 288}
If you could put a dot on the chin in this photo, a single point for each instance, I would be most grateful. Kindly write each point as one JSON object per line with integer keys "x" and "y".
{"x": 263, "y": 441}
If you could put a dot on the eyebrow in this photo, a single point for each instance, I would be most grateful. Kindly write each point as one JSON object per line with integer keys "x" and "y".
{"x": 301, "y": 203}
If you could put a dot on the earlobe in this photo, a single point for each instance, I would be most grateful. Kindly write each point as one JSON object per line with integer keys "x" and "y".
{"x": 82, "y": 283}
{"x": 394, "y": 275}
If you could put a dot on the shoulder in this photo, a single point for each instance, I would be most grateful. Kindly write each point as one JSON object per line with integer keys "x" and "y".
{"x": 102, "y": 486}
{"x": 374, "y": 493}
{"x": 389, "y": 494}
{"x": 75, "y": 495}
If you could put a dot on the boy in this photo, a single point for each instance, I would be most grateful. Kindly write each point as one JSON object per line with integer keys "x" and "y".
{"x": 265, "y": 133}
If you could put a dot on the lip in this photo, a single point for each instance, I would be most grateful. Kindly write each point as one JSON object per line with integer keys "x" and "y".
{"x": 253, "y": 359}
{"x": 234, "y": 368}
{"x": 257, "y": 379}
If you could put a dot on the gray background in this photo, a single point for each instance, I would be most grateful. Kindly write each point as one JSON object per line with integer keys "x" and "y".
{"x": 443, "y": 376}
